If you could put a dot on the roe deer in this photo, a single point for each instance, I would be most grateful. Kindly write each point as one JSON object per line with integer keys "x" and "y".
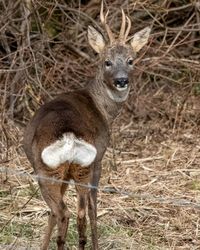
{"x": 68, "y": 136}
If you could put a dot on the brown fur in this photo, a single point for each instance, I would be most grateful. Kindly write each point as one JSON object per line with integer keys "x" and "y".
{"x": 88, "y": 114}
{"x": 74, "y": 112}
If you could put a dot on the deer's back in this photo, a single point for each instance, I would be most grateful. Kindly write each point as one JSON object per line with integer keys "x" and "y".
{"x": 73, "y": 112}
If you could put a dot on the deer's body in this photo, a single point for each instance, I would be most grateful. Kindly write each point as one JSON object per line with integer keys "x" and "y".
{"x": 67, "y": 137}
{"x": 74, "y": 113}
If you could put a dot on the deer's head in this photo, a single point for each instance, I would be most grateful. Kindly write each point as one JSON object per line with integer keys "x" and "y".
{"x": 117, "y": 57}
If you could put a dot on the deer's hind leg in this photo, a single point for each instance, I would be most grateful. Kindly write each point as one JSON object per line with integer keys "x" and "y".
{"x": 92, "y": 204}
{"x": 49, "y": 230}
{"x": 81, "y": 175}
{"x": 53, "y": 195}
{"x": 82, "y": 195}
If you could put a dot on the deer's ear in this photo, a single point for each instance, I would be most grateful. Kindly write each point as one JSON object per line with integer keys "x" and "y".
{"x": 95, "y": 39}
{"x": 140, "y": 39}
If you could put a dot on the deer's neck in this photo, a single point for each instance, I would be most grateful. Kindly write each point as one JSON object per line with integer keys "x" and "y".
{"x": 108, "y": 101}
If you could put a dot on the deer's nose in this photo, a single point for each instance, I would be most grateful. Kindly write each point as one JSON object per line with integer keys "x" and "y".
{"x": 121, "y": 82}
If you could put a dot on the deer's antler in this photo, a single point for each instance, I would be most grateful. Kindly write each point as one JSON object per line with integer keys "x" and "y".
{"x": 128, "y": 28}
{"x": 104, "y": 22}
{"x": 123, "y": 31}
{"x": 123, "y": 26}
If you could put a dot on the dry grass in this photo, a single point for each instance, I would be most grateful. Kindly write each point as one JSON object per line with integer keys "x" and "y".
{"x": 154, "y": 153}
{"x": 162, "y": 172}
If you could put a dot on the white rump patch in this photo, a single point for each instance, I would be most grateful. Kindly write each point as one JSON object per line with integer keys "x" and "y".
{"x": 69, "y": 149}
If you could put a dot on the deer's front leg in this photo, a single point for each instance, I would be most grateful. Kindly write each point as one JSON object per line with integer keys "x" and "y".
{"x": 92, "y": 205}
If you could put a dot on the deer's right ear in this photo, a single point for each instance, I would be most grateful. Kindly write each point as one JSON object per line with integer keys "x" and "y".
{"x": 95, "y": 39}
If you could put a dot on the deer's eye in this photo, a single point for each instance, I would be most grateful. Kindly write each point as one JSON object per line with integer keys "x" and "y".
{"x": 108, "y": 63}
{"x": 130, "y": 61}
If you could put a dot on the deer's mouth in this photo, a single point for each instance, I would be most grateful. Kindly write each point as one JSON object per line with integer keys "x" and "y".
{"x": 120, "y": 87}
{"x": 121, "y": 84}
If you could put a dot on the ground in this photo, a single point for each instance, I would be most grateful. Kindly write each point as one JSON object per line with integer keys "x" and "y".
{"x": 149, "y": 195}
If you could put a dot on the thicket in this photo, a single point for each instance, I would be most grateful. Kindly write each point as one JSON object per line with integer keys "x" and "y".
{"x": 44, "y": 51}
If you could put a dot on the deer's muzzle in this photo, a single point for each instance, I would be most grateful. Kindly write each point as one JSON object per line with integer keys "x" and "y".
{"x": 121, "y": 83}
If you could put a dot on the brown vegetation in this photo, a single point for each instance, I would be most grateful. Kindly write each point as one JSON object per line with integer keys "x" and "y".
{"x": 154, "y": 154}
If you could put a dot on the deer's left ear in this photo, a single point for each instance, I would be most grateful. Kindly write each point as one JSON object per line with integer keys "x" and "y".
{"x": 140, "y": 39}
{"x": 95, "y": 39}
